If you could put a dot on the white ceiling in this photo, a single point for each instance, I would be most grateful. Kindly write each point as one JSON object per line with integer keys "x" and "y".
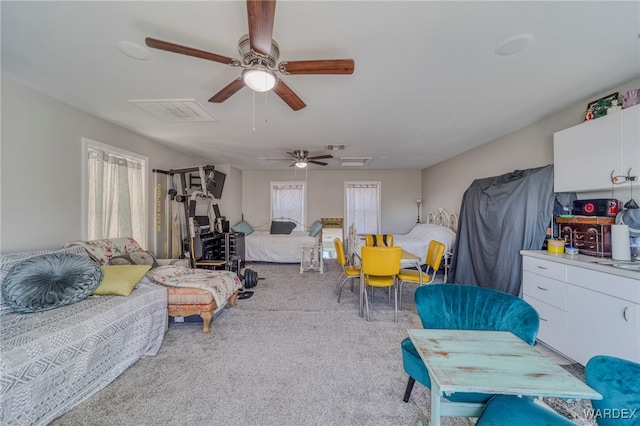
{"x": 427, "y": 83}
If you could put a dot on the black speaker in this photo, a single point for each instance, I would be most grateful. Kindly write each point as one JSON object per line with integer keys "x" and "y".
{"x": 606, "y": 207}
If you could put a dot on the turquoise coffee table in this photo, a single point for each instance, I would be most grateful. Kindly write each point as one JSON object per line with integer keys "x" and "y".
{"x": 492, "y": 362}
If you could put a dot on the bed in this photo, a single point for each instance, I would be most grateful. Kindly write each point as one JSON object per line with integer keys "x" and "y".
{"x": 441, "y": 226}
{"x": 54, "y": 360}
{"x": 263, "y": 245}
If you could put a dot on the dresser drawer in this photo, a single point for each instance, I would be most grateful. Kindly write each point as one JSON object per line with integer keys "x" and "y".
{"x": 328, "y": 238}
{"x": 546, "y": 268}
{"x": 330, "y": 234}
{"x": 553, "y": 324}
{"x": 546, "y": 289}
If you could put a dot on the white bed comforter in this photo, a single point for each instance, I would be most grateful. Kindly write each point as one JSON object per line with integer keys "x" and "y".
{"x": 417, "y": 240}
{"x": 262, "y": 246}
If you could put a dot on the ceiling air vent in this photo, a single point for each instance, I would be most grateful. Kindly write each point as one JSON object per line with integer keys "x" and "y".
{"x": 354, "y": 161}
{"x": 175, "y": 110}
{"x": 334, "y": 147}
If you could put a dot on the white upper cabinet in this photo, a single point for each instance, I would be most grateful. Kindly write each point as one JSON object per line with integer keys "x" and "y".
{"x": 585, "y": 155}
{"x": 630, "y": 141}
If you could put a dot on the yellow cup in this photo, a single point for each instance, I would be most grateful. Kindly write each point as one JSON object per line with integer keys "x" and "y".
{"x": 555, "y": 246}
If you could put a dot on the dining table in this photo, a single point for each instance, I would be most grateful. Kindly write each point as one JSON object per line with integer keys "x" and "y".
{"x": 489, "y": 362}
{"x": 404, "y": 257}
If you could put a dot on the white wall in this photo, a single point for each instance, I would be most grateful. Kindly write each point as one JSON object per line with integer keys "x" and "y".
{"x": 41, "y": 159}
{"x": 444, "y": 184}
{"x": 231, "y": 201}
{"x": 325, "y": 194}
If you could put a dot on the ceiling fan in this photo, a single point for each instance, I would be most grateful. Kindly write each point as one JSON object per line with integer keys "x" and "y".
{"x": 259, "y": 57}
{"x": 302, "y": 158}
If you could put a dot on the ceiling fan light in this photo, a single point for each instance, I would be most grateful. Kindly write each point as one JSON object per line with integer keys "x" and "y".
{"x": 301, "y": 164}
{"x": 259, "y": 78}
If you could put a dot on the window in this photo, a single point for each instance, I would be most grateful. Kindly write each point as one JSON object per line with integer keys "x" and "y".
{"x": 288, "y": 201}
{"x": 362, "y": 206}
{"x": 115, "y": 184}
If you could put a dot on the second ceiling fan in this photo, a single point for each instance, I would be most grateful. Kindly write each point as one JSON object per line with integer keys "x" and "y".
{"x": 302, "y": 158}
{"x": 259, "y": 59}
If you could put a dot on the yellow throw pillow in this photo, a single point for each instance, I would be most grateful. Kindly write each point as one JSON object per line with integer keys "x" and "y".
{"x": 120, "y": 280}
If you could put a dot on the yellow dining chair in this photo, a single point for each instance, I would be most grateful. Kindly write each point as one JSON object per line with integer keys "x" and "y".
{"x": 435, "y": 252}
{"x": 378, "y": 240}
{"x": 380, "y": 266}
{"x": 349, "y": 272}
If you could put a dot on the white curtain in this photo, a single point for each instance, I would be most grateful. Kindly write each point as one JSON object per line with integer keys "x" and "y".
{"x": 115, "y": 196}
{"x": 288, "y": 201}
{"x": 362, "y": 206}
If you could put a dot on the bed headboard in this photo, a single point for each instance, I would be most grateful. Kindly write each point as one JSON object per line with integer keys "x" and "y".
{"x": 443, "y": 218}
{"x": 267, "y": 226}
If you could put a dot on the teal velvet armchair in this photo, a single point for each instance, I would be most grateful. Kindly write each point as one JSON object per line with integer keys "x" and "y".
{"x": 616, "y": 379}
{"x": 462, "y": 307}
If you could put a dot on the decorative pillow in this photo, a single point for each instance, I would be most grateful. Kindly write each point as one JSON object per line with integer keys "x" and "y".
{"x": 135, "y": 258}
{"x": 243, "y": 227}
{"x": 316, "y": 227}
{"x": 282, "y": 227}
{"x": 120, "y": 280}
{"x": 103, "y": 250}
{"x": 46, "y": 282}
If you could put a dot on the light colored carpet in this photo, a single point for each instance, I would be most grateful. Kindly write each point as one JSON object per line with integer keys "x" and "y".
{"x": 289, "y": 355}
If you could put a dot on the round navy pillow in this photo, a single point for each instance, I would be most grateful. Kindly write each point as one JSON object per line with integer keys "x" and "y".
{"x": 49, "y": 281}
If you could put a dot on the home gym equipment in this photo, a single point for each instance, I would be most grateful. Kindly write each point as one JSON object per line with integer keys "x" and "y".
{"x": 249, "y": 278}
{"x": 207, "y": 239}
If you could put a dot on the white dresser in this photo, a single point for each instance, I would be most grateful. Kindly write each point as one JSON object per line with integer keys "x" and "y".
{"x": 585, "y": 308}
{"x": 331, "y": 229}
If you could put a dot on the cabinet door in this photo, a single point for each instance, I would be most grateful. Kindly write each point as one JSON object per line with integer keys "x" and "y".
{"x": 598, "y": 324}
{"x": 553, "y": 324}
{"x": 585, "y": 155}
{"x": 630, "y": 141}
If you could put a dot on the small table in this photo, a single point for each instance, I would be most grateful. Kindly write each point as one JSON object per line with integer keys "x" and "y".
{"x": 311, "y": 258}
{"x": 491, "y": 362}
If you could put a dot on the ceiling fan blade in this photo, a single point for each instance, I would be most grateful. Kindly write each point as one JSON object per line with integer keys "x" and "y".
{"x": 183, "y": 50}
{"x": 293, "y": 154}
{"x": 319, "y": 157}
{"x": 318, "y": 162}
{"x": 288, "y": 96}
{"x": 261, "y": 15}
{"x": 228, "y": 91}
{"x": 326, "y": 66}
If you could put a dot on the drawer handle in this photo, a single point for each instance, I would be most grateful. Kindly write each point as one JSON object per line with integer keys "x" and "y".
{"x": 542, "y": 267}
{"x": 625, "y": 313}
{"x": 542, "y": 288}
